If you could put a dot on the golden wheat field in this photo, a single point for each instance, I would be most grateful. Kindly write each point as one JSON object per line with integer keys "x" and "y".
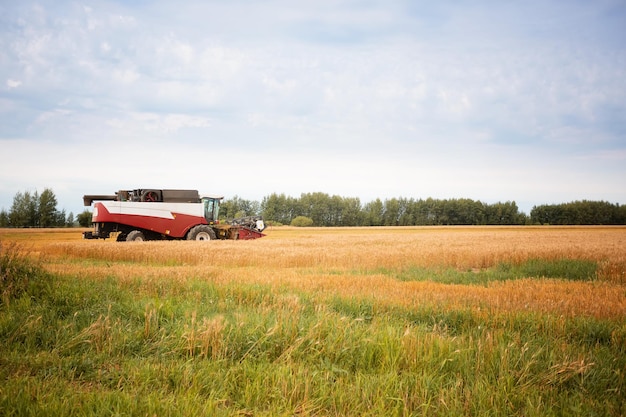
{"x": 365, "y": 263}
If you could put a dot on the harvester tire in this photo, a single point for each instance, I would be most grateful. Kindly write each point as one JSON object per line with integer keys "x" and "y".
{"x": 135, "y": 236}
{"x": 201, "y": 232}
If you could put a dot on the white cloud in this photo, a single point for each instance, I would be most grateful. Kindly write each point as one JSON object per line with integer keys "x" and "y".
{"x": 125, "y": 75}
{"x": 13, "y": 83}
{"x": 155, "y": 123}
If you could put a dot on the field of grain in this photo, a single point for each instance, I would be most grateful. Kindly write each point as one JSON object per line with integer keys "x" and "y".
{"x": 368, "y": 262}
{"x": 324, "y": 321}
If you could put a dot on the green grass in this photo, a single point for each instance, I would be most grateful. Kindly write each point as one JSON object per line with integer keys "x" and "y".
{"x": 75, "y": 346}
{"x": 17, "y": 273}
{"x": 569, "y": 269}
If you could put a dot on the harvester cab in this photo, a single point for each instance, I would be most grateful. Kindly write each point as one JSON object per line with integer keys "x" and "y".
{"x": 211, "y": 208}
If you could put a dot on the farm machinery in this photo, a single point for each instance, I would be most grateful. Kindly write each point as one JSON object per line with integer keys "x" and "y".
{"x": 155, "y": 214}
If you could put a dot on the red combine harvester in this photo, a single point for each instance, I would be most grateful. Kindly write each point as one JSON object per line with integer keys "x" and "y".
{"x": 152, "y": 214}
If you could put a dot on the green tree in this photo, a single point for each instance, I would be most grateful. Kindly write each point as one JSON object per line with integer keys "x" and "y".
{"x": 279, "y": 208}
{"x": 35, "y": 210}
{"x": 238, "y": 207}
{"x": 391, "y": 212}
{"x": 504, "y": 214}
{"x": 84, "y": 219}
{"x": 578, "y": 212}
{"x": 335, "y": 211}
{"x": 405, "y": 212}
{"x": 351, "y": 214}
{"x": 316, "y": 206}
{"x": 61, "y": 218}
{"x": 420, "y": 213}
{"x": 4, "y": 218}
{"x": 23, "y": 212}
{"x": 48, "y": 215}
{"x": 70, "y": 221}
{"x": 620, "y": 213}
{"x": 374, "y": 211}
{"x": 432, "y": 211}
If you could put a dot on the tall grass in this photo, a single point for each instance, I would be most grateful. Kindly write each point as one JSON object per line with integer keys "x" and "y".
{"x": 17, "y": 272}
{"x": 132, "y": 333}
{"x": 248, "y": 350}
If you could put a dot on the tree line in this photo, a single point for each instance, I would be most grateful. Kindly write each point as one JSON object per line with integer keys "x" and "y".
{"x": 579, "y": 213}
{"x": 327, "y": 210}
{"x": 321, "y": 209}
{"x": 36, "y": 210}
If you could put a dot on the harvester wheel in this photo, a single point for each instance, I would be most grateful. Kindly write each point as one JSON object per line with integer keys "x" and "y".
{"x": 201, "y": 232}
{"x": 135, "y": 236}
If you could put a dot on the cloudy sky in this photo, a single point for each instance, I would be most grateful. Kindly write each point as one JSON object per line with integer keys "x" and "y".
{"x": 488, "y": 100}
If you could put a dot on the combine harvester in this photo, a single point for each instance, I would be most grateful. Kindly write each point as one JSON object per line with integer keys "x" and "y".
{"x": 151, "y": 214}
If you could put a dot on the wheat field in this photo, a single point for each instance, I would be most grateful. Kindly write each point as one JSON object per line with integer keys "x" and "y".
{"x": 365, "y": 262}
{"x": 440, "y": 321}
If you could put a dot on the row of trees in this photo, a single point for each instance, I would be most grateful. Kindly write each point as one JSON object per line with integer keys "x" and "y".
{"x": 40, "y": 210}
{"x": 326, "y": 210}
{"x": 35, "y": 210}
{"x": 579, "y": 212}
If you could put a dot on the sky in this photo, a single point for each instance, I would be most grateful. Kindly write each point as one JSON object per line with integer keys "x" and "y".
{"x": 494, "y": 101}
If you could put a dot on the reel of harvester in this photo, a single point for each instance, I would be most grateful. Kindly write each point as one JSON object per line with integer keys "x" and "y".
{"x": 250, "y": 227}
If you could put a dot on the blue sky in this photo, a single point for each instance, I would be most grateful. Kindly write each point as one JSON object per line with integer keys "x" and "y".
{"x": 492, "y": 100}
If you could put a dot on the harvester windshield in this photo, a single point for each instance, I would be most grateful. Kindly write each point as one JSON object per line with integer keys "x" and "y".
{"x": 211, "y": 208}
